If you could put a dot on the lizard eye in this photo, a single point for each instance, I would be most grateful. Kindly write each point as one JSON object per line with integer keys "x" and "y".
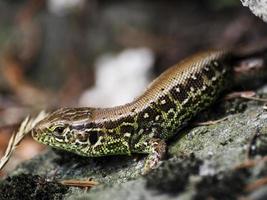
{"x": 58, "y": 133}
{"x": 59, "y": 129}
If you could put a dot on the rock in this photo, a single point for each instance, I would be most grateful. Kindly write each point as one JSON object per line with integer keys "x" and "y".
{"x": 259, "y": 7}
{"x": 202, "y": 155}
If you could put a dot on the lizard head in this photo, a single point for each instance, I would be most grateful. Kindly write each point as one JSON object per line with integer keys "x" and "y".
{"x": 67, "y": 129}
{"x": 74, "y": 130}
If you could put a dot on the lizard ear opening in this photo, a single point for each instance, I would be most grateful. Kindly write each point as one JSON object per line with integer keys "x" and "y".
{"x": 93, "y": 137}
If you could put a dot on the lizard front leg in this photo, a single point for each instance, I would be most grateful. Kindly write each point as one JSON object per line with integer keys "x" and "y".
{"x": 156, "y": 149}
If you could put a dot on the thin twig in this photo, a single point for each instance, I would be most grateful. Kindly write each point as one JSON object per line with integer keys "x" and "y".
{"x": 251, "y": 163}
{"x": 256, "y": 184}
{"x": 242, "y": 94}
{"x": 250, "y": 95}
{"x": 254, "y": 98}
{"x": 211, "y": 122}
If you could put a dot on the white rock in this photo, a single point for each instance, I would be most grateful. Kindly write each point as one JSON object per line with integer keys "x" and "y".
{"x": 119, "y": 78}
{"x": 258, "y": 7}
{"x": 61, "y": 7}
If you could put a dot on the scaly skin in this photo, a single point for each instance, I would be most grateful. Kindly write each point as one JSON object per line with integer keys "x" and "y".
{"x": 144, "y": 125}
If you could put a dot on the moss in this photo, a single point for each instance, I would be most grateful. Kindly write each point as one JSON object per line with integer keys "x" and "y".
{"x": 227, "y": 185}
{"x": 258, "y": 144}
{"x": 172, "y": 176}
{"x": 27, "y": 186}
{"x": 223, "y": 108}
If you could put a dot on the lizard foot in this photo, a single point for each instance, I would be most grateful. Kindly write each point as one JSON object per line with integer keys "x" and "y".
{"x": 158, "y": 151}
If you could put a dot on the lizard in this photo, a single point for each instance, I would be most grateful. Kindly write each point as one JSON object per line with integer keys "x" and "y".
{"x": 145, "y": 124}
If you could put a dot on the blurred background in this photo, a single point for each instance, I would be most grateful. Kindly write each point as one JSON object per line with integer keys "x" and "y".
{"x": 60, "y": 53}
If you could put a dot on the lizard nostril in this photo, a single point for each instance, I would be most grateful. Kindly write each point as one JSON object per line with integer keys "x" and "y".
{"x": 34, "y": 133}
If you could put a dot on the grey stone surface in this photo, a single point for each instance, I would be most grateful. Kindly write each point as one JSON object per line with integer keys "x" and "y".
{"x": 220, "y": 147}
{"x": 258, "y": 7}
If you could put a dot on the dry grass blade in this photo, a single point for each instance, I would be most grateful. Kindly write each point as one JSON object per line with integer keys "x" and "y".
{"x": 79, "y": 183}
{"x": 16, "y": 138}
